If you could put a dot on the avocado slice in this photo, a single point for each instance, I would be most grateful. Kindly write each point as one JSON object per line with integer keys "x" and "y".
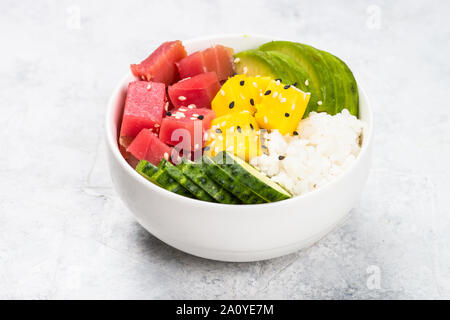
{"x": 338, "y": 78}
{"x": 301, "y": 79}
{"x": 312, "y": 61}
{"x": 254, "y": 62}
{"x": 350, "y": 87}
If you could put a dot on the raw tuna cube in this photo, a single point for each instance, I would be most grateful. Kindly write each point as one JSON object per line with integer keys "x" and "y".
{"x": 160, "y": 65}
{"x": 192, "y": 65}
{"x": 218, "y": 59}
{"x": 147, "y": 146}
{"x": 194, "y": 123}
{"x": 144, "y": 109}
{"x": 198, "y": 90}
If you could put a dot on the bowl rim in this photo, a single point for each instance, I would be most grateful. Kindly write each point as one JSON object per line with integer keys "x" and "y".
{"x": 113, "y": 146}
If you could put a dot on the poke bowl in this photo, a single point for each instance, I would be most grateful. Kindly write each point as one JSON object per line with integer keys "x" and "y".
{"x": 290, "y": 212}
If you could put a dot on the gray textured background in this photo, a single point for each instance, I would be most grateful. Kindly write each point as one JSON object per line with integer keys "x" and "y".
{"x": 64, "y": 233}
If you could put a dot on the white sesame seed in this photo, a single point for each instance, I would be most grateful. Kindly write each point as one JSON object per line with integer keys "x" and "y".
{"x": 245, "y": 69}
{"x": 222, "y": 92}
{"x": 213, "y": 136}
{"x": 195, "y": 115}
{"x": 166, "y": 106}
{"x": 223, "y": 124}
{"x": 283, "y": 100}
{"x": 196, "y": 146}
{"x": 205, "y": 136}
{"x": 156, "y": 125}
{"x": 293, "y": 106}
{"x": 278, "y": 82}
{"x": 182, "y": 109}
{"x": 181, "y": 98}
{"x": 306, "y": 82}
{"x": 221, "y": 138}
{"x": 255, "y": 84}
{"x": 191, "y": 106}
{"x": 237, "y": 60}
{"x": 242, "y": 97}
{"x": 193, "y": 118}
{"x": 166, "y": 156}
{"x": 275, "y": 94}
{"x": 319, "y": 102}
{"x": 149, "y": 87}
{"x": 265, "y": 119}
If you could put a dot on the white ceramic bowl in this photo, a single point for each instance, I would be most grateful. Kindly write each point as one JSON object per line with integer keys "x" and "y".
{"x": 235, "y": 232}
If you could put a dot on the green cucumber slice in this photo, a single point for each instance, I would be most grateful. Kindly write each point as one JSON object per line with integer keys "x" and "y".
{"x": 230, "y": 183}
{"x": 187, "y": 183}
{"x": 197, "y": 173}
{"x": 159, "y": 177}
{"x": 251, "y": 177}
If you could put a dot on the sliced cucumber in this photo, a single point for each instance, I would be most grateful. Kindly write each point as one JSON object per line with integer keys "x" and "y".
{"x": 230, "y": 183}
{"x": 159, "y": 177}
{"x": 197, "y": 173}
{"x": 251, "y": 177}
{"x": 146, "y": 168}
{"x": 187, "y": 183}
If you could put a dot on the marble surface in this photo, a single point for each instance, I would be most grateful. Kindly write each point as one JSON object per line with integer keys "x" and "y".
{"x": 64, "y": 233}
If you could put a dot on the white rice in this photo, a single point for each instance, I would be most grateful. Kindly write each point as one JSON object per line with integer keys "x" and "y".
{"x": 325, "y": 147}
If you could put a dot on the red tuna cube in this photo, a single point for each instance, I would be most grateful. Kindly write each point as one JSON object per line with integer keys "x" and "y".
{"x": 186, "y": 123}
{"x": 198, "y": 91}
{"x": 160, "y": 65}
{"x": 144, "y": 109}
{"x": 218, "y": 59}
{"x": 147, "y": 146}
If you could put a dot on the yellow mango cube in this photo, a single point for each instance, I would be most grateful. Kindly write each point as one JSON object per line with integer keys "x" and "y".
{"x": 281, "y": 107}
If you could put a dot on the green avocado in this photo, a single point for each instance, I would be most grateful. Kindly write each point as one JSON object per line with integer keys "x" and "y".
{"x": 255, "y": 62}
{"x": 314, "y": 64}
{"x": 350, "y": 88}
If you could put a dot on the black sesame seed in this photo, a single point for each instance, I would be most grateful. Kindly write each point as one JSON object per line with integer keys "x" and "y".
{"x": 287, "y": 87}
{"x": 286, "y": 114}
{"x": 281, "y": 157}
{"x": 242, "y": 82}
{"x": 168, "y": 113}
{"x": 218, "y": 131}
{"x": 294, "y": 84}
{"x": 234, "y": 74}
{"x": 200, "y": 117}
{"x": 295, "y": 133}
{"x": 252, "y": 102}
{"x": 264, "y": 147}
{"x": 231, "y": 105}
{"x": 206, "y": 148}
{"x": 239, "y": 129}
{"x": 267, "y": 92}
{"x": 251, "y": 126}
